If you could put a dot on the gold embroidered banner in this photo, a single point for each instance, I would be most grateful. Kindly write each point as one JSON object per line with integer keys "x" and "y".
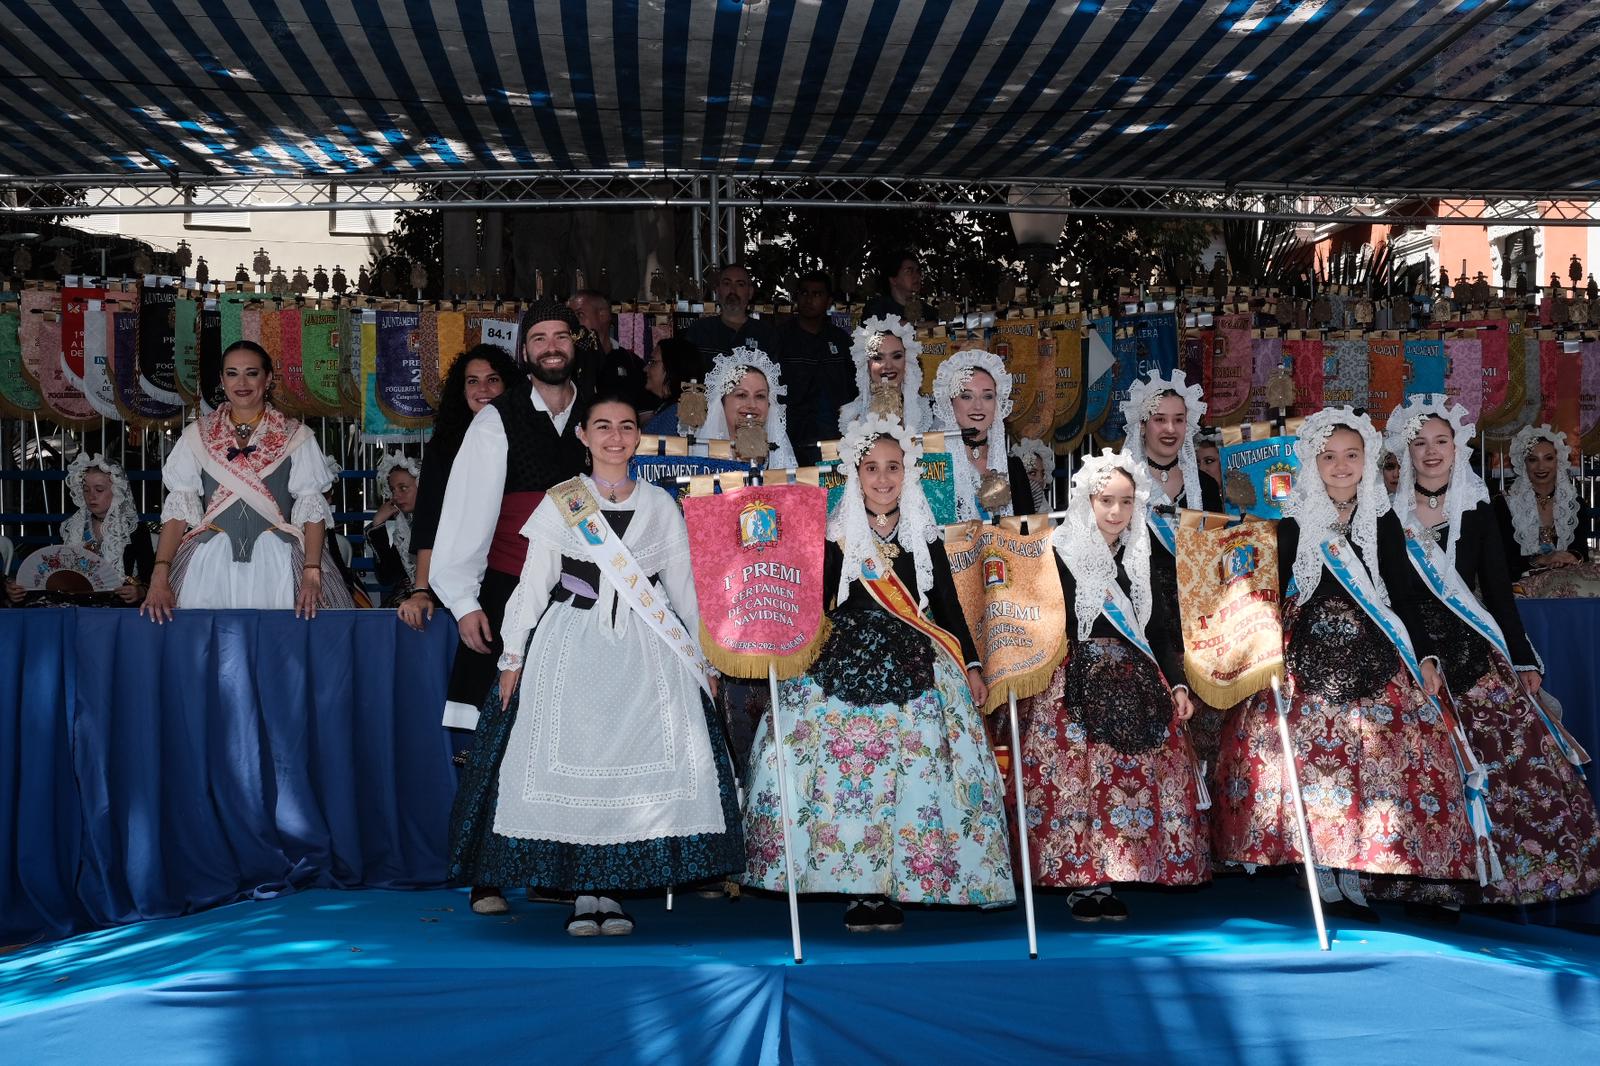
{"x": 1228, "y": 597}
{"x": 1011, "y": 595}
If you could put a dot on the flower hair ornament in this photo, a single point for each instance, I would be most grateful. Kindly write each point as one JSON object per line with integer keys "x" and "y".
{"x": 850, "y": 526}
{"x": 1520, "y": 496}
{"x": 1144, "y": 396}
{"x": 864, "y": 344}
{"x": 725, "y": 375}
{"x": 1092, "y": 561}
{"x": 1467, "y": 489}
{"x": 953, "y": 375}
{"x": 121, "y": 519}
{"x": 391, "y": 462}
{"x": 1313, "y": 509}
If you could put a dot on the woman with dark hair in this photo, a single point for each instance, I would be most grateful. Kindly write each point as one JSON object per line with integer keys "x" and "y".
{"x": 479, "y": 375}
{"x": 598, "y": 767}
{"x": 245, "y": 520}
{"x": 673, "y": 362}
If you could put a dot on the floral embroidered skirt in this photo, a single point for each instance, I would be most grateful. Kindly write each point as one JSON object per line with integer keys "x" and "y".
{"x": 1543, "y": 818}
{"x": 902, "y": 800}
{"x": 1382, "y": 787}
{"x": 1103, "y": 807}
{"x": 480, "y": 856}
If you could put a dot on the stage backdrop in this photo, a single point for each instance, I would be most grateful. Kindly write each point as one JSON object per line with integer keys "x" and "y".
{"x": 155, "y": 770}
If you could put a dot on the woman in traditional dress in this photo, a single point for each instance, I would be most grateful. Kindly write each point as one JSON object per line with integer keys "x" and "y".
{"x": 746, "y": 388}
{"x": 1544, "y": 827}
{"x": 1380, "y": 772}
{"x": 245, "y": 519}
{"x": 478, "y": 375}
{"x": 972, "y": 398}
{"x": 1208, "y": 452}
{"x": 886, "y": 352}
{"x": 1162, "y": 414}
{"x": 894, "y": 790}
{"x": 389, "y": 534}
{"x": 598, "y": 767}
{"x": 1545, "y": 524}
{"x": 106, "y": 523}
{"x": 1112, "y": 791}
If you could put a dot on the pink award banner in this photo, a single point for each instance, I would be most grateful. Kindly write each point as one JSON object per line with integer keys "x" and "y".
{"x": 1464, "y": 372}
{"x": 757, "y": 556}
{"x": 1232, "y": 369}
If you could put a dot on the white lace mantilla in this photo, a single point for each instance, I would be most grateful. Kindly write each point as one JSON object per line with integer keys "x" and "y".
{"x": 1467, "y": 489}
{"x": 1084, "y": 550}
{"x": 1525, "y": 509}
{"x": 851, "y": 528}
{"x": 1313, "y": 510}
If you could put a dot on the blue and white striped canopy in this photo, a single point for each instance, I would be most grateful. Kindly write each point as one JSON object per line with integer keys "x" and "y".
{"x": 1416, "y": 94}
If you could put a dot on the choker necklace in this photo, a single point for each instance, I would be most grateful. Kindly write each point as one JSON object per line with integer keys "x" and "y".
{"x": 611, "y": 487}
{"x": 1163, "y": 467}
{"x": 881, "y": 521}
{"x": 975, "y": 445}
{"x": 1433, "y": 496}
{"x": 1542, "y": 498}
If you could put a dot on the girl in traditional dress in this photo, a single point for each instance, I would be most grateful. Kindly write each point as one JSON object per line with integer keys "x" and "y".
{"x": 746, "y": 387}
{"x": 1544, "y": 828}
{"x": 106, "y": 523}
{"x": 389, "y": 533}
{"x": 972, "y": 398}
{"x": 1109, "y": 777}
{"x": 894, "y": 789}
{"x": 1545, "y": 525}
{"x": 598, "y": 767}
{"x": 1162, "y": 413}
{"x": 245, "y": 520}
{"x": 477, "y": 376}
{"x": 1380, "y": 773}
{"x": 887, "y": 352}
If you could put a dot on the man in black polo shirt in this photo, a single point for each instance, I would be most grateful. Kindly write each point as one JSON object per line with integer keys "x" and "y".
{"x": 901, "y": 276}
{"x": 733, "y": 324}
{"x": 817, "y": 368}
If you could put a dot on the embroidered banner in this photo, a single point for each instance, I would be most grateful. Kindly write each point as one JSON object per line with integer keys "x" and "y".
{"x": 1016, "y": 342}
{"x": 1228, "y": 599}
{"x": 1266, "y": 358}
{"x": 399, "y": 369}
{"x": 1141, "y": 344}
{"x": 1589, "y": 395}
{"x": 665, "y": 470}
{"x": 74, "y": 303}
{"x": 1306, "y": 361}
{"x": 1426, "y": 366}
{"x": 1463, "y": 383}
{"x": 280, "y": 332}
{"x": 18, "y": 397}
{"x": 40, "y": 336}
{"x": 757, "y": 554}
{"x": 1257, "y": 474}
{"x": 1346, "y": 373}
{"x": 134, "y": 403}
{"x": 98, "y": 388}
{"x": 1011, "y": 595}
{"x": 158, "y": 373}
{"x": 210, "y": 362}
{"x": 1232, "y": 368}
{"x": 186, "y": 347}
{"x": 1386, "y": 377}
{"x": 1102, "y": 372}
{"x": 320, "y": 361}
{"x": 376, "y": 426}
{"x": 1071, "y": 383}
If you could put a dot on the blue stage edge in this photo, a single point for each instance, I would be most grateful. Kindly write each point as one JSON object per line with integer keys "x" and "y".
{"x": 1228, "y": 974}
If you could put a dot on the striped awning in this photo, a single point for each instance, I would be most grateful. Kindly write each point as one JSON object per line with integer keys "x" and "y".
{"x": 1406, "y": 94}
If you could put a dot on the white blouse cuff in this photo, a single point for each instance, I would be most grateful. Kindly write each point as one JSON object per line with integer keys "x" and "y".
{"x": 311, "y": 507}
{"x": 184, "y": 506}
{"x": 509, "y": 661}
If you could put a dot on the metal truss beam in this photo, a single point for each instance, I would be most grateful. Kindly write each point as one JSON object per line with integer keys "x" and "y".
{"x": 640, "y": 188}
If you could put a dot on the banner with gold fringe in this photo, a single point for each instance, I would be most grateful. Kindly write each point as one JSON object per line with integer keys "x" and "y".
{"x": 757, "y": 553}
{"x": 1011, "y": 595}
{"x": 1228, "y": 598}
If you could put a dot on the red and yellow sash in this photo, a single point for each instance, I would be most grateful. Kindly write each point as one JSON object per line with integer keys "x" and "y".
{"x": 893, "y": 596}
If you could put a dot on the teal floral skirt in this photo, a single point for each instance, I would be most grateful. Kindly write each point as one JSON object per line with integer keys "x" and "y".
{"x": 896, "y": 800}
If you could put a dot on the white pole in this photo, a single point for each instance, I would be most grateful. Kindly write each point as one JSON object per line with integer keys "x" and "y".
{"x": 783, "y": 804}
{"x": 1292, "y": 770}
{"x": 1022, "y": 825}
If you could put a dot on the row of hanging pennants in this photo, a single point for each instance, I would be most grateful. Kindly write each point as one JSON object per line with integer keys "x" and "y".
{"x": 149, "y": 353}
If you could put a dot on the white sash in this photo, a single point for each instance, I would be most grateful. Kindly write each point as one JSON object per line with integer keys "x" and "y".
{"x": 633, "y": 586}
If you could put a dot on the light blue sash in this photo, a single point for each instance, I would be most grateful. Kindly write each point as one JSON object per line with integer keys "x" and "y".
{"x": 1119, "y": 612}
{"x": 1165, "y": 529}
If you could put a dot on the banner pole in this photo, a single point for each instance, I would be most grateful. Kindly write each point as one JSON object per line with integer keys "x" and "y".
{"x": 783, "y": 804}
{"x": 1022, "y": 825}
{"x": 1290, "y": 767}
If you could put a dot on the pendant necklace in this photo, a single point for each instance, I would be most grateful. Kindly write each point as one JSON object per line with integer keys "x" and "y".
{"x": 1433, "y": 496}
{"x": 881, "y": 521}
{"x": 611, "y": 487}
{"x": 977, "y": 446}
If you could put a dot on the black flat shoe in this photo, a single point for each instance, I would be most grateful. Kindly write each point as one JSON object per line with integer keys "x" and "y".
{"x": 862, "y": 916}
{"x": 1087, "y": 908}
{"x": 586, "y": 924}
{"x": 1112, "y": 909}
{"x": 888, "y": 917}
{"x": 488, "y": 900}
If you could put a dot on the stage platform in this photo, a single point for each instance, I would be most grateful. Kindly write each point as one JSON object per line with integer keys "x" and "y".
{"x": 1227, "y": 974}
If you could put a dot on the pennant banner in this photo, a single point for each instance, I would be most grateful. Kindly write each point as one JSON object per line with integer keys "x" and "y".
{"x": 1589, "y": 395}
{"x": 1346, "y": 374}
{"x": 757, "y": 554}
{"x": 1426, "y": 366}
{"x": 18, "y": 397}
{"x": 1232, "y": 369}
{"x": 1306, "y": 358}
{"x": 1011, "y": 596}
{"x": 186, "y": 348}
{"x": 1464, "y": 373}
{"x": 1071, "y": 383}
{"x": 1258, "y": 474}
{"x": 1016, "y": 342}
{"x": 1266, "y": 358}
{"x": 97, "y": 324}
{"x": 1228, "y": 598}
{"x": 319, "y": 361}
{"x": 158, "y": 321}
{"x": 399, "y": 371}
{"x": 134, "y": 402}
{"x": 1386, "y": 378}
{"x": 665, "y": 470}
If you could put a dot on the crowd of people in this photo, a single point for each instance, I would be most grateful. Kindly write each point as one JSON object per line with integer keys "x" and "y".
{"x": 602, "y": 757}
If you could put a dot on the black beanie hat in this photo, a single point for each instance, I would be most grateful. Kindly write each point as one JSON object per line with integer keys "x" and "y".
{"x": 548, "y": 311}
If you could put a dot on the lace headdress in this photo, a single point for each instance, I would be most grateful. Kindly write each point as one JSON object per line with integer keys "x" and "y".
{"x": 952, "y": 376}
{"x": 724, "y": 378}
{"x": 1467, "y": 489}
{"x": 122, "y": 517}
{"x": 1144, "y": 396}
{"x": 1092, "y": 561}
{"x": 1311, "y": 507}
{"x": 851, "y": 527}
{"x": 1524, "y": 508}
{"x": 864, "y": 345}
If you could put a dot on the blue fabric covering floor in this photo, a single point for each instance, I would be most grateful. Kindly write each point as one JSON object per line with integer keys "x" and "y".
{"x": 1227, "y": 974}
